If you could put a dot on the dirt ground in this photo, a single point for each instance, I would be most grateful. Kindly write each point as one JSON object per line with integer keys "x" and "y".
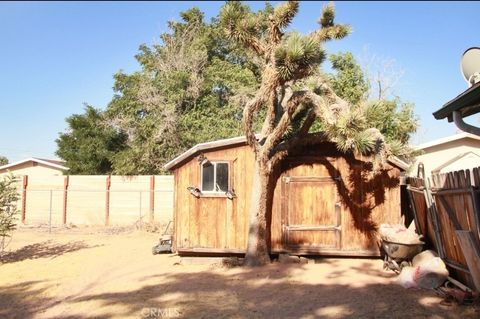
{"x": 92, "y": 273}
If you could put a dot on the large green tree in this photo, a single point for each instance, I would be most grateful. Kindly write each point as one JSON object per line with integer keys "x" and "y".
{"x": 293, "y": 95}
{"x": 89, "y": 145}
{"x": 188, "y": 90}
{"x": 348, "y": 81}
{"x": 181, "y": 96}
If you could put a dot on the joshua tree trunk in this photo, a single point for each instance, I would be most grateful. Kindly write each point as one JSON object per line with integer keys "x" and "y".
{"x": 289, "y": 62}
{"x": 258, "y": 233}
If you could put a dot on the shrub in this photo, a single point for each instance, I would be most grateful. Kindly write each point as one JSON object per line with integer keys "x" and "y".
{"x": 8, "y": 208}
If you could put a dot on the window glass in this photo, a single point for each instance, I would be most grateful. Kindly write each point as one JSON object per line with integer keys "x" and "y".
{"x": 222, "y": 177}
{"x": 207, "y": 177}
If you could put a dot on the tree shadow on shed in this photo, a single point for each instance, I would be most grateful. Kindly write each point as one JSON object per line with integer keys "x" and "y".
{"x": 361, "y": 191}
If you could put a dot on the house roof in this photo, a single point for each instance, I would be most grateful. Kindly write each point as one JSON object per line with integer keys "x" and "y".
{"x": 47, "y": 162}
{"x": 241, "y": 140}
{"x": 467, "y": 103}
{"x": 447, "y": 139}
{"x": 453, "y": 160}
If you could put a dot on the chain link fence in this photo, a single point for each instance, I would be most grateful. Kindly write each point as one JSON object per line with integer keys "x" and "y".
{"x": 84, "y": 204}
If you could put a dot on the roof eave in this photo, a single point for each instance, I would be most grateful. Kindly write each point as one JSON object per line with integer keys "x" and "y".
{"x": 467, "y": 102}
{"x": 399, "y": 163}
{"x": 203, "y": 147}
{"x": 236, "y": 141}
{"x": 448, "y": 139}
{"x": 33, "y": 159}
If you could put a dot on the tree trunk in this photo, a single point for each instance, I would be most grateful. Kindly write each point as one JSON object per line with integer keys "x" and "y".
{"x": 257, "y": 247}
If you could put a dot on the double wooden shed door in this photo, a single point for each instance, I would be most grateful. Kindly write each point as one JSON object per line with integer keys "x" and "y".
{"x": 311, "y": 213}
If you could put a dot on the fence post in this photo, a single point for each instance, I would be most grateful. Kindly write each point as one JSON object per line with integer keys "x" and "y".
{"x": 65, "y": 195}
{"x": 24, "y": 198}
{"x": 50, "y": 213}
{"x": 107, "y": 201}
{"x": 140, "y": 205}
{"x": 152, "y": 198}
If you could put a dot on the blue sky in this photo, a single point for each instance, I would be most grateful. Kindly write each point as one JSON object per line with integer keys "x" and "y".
{"x": 55, "y": 56}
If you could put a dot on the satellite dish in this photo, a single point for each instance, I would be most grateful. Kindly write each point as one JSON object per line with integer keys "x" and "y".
{"x": 470, "y": 65}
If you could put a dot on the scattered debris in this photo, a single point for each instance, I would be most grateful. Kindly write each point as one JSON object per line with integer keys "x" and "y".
{"x": 458, "y": 284}
{"x": 193, "y": 260}
{"x": 457, "y": 295}
{"x": 406, "y": 277}
{"x": 428, "y": 271}
{"x": 231, "y": 262}
{"x": 165, "y": 245}
{"x": 287, "y": 259}
{"x": 399, "y": 234}
{"x": 423, "y": 257}
{"x": 431, "y": 273}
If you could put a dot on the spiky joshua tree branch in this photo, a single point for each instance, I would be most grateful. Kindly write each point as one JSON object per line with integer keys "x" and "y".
{"x": 293, "y": 95}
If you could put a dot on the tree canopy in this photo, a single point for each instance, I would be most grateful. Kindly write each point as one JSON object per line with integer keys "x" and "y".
{"x": 349, "y": 81}
{"x": 3, "y": 160}
{"x": 89, "y": 145}
{"x": 193, "y": 84}
{"x": 181, "y": 96}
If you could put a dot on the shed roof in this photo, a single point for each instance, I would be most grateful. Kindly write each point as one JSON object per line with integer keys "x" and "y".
{"x": 240, "y": 140}
{"x": 467, "y": 103}
{"x": 47, "y": 162}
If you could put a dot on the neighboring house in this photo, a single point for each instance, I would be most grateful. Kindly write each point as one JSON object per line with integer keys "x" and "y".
{"x": 35, "y": 167}
{"x": 324, "y": 202}
{"x": 452, "y": 153}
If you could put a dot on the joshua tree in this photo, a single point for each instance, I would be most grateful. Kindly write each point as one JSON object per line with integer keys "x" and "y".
{"x": 292, "y": 96}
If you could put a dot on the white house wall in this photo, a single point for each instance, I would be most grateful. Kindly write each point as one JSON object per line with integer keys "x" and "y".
{"x": 469, "y": 161}
{"x": 438, "y": 155}
{"x": 30, "y": 169}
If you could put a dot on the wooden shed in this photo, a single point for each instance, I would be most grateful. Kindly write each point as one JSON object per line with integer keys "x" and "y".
{"x": 324, "y": 203}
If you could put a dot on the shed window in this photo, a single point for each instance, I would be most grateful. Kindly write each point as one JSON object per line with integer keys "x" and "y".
{"x": 215, "y": 177}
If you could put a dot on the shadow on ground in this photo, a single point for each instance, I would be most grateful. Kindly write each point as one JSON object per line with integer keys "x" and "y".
{"x": 46, "y": 249}
{"x": 16, "y": 300}
{"x": 273, "y": 291}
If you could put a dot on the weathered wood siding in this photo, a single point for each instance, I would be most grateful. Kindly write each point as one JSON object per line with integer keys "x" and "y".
{"x": 355, "y": 199}
{"x": 325, "y": 203}
{"x": 212, "y": 221}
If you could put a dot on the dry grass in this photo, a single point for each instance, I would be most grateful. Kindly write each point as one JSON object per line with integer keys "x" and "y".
{"x": 114, "y": 275}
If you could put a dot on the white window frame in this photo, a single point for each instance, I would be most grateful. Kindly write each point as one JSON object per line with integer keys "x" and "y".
{"x": 214, "y": 163}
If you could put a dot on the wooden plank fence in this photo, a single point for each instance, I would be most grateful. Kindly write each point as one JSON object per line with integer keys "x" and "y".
{"x": 447, "y": 214}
